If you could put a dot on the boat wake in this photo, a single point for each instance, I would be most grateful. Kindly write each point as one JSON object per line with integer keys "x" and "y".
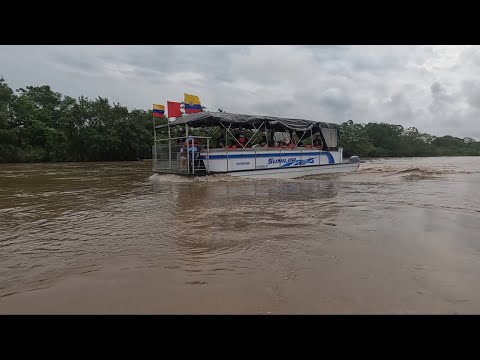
{"x": 169, "y": 178}
{"x": 366, "y": 172}
{"x": 396, "y": 170}
{"x": 407, "y": 172}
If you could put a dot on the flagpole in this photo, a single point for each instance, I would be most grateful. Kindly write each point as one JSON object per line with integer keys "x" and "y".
{"x": 169, "y": 144}
{"x": 154, "y": 130}
{"x": 154, "y": 141}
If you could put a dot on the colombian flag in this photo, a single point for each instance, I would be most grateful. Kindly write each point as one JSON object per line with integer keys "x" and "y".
{"x": 158, "y": 110}
{"x": 192, "y": 104}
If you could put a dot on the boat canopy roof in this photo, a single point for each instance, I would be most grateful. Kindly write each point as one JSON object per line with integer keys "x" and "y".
{"x": 210, "y": 119}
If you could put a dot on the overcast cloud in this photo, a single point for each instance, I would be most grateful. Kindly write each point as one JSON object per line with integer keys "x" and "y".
{"x": 434, "y": 88}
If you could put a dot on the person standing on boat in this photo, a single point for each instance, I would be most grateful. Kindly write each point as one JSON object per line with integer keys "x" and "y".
{"x": 182, "y": 154}
{"x": 192, "y": 149}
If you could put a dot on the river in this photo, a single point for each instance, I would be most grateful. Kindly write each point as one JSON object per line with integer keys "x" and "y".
{"x": 400, "y": 236}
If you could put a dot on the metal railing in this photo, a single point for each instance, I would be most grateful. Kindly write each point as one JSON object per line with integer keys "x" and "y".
{"x": 176, "y": 155}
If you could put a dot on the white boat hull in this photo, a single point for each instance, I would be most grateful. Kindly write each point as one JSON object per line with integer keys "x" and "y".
{"x": 219, "y": 160}
{"x": 291, "y": 173}
{"x": 264, "y": 163}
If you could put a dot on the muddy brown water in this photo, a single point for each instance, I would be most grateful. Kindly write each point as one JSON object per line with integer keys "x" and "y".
{"x": 399, "y": 236}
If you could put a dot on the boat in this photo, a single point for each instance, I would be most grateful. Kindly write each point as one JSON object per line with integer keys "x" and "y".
{"x": 295, "y": 147}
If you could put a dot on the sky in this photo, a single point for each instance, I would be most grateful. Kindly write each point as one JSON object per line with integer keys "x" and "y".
{"x": 434, "y": 88}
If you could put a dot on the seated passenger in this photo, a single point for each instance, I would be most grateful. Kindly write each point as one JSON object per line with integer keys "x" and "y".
{"x": 281, "y": 138}
{"x": 262, "y": 143}
{"x": 242, "y": 139}
{"x": 317, "y": 142}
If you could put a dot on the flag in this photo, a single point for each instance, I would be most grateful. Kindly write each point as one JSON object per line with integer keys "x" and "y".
{"x": 192, "y": 104}
{"x": 173, "y": 109}
{"x": 158, "y": 110}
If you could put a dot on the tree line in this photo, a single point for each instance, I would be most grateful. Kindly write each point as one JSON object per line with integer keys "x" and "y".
{"x": 38, "y": 124}
{"x": 387, "y": 140}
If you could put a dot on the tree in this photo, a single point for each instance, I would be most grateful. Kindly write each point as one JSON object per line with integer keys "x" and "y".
{"x": 354, "y": 139}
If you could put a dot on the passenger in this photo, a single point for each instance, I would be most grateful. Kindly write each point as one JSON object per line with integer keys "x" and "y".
{"x": 183, "y": 157}
{"x": 189, "y": 141}
{"x": 183, "y": 152}
{"x": 192, "y": 145}
{"x": 221, "y": 142}
{"x": 282, "y": 138}
{"x": 263, "y": 142}
{"x": 194, "y": 149}
{"x": 242, "y": 139}
{"x": 317, "y": 142}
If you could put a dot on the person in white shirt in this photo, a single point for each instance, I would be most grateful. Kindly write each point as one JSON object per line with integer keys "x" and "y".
{"x": 281, "y": 138}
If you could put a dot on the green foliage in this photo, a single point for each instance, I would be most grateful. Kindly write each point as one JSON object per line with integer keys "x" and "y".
{"x": 355, "y": 140}
{"x": 387, "y": 140}
{"x": 38, "y": 124}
